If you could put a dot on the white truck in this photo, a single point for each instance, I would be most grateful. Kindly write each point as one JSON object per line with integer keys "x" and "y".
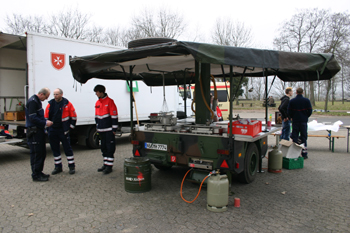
{"x": 31, "y": 62}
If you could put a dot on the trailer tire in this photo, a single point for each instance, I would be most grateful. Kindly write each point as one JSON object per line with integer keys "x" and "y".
{"x": 92, "y": 140}
{"x": 163, "y": 167}
{"x": 251, "y": 163}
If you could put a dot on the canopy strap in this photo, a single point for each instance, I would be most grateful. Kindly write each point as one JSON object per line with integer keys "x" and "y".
{"x": 223, "y": 74}
{"x": 273, "y": 80}
{"x": 240, "y": 82}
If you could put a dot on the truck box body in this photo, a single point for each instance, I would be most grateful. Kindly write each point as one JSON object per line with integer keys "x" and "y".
{"x": 43, "y": 61}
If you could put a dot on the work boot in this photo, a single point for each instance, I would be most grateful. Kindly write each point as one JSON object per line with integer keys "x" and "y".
{"x": 56, "y": 170}
{"x": 107, "y": 170}
{"x": 40, "y": 178}
{"x": 71, "y": 170}
{"x": 101, "y": 169}
{"x": 45, "y": 175}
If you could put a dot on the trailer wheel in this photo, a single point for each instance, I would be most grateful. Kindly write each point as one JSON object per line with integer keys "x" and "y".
{"x": 93, "y": 140}
{"x": 251, "y": 163}
{"x": 163, "y": 167}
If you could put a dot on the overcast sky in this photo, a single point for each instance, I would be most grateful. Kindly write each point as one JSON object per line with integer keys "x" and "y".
{"x": 264, "y": 17}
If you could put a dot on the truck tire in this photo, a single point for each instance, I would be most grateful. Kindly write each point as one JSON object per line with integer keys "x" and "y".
{"x": 92, "y": 140}
{"x": 251, "y": 163}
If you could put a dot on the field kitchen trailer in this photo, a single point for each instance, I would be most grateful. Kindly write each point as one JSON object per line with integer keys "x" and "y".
{"x": 199, "y": 142}
{"x": 33, "y": 61}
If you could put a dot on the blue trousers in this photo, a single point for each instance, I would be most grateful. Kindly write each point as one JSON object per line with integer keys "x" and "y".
{"x": 56, "y": 135}
{"x": 285, "y": 130}
{"x": 37, "y": 146}
{"x": 107, "y": 147}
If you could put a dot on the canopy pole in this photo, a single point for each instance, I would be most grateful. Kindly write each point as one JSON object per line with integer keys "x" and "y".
{"x": 165, "y": 105}
{"x": 131, "y": 100}
{"x": 185, "y": 93}
{"x": 266, "y": 106}
{"x": 231, "y": 103}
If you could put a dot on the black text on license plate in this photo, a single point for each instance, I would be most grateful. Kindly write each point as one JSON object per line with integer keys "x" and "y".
{"x": 156, "y": 146}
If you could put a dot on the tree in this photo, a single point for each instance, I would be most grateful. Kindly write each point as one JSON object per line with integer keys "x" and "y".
{"x": 280, "y": 87}
{"x": 237, "y": 35}
{"x": 258, "y": 85}
{"x": 164, "y": 23}
{"x": 95, "y": 34}
{"x": 70, "y": 24}
{"x": 19, "y": 24}
{"x": 227, "y": 32}
{"x": 314, "y": 30}
{"x": 303, "y": 33}
{"x": 116, "y": 36}
{"x": 337, "y": 40}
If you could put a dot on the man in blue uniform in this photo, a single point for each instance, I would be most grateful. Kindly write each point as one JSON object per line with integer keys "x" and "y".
{"x": 35, "y": 123}
{"x": 299, "y": 111}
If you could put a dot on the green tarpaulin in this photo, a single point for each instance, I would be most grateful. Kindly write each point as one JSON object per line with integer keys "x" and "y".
{"x": 176, "y": 60}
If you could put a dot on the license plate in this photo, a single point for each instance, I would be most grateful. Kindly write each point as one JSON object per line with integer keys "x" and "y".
{"x": 155, "y": 146}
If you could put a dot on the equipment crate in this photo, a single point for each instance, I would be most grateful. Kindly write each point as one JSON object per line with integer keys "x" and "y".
{"x": 293, "y": 163}
{"x": 15, "y": 116}
{"x": 250, "y": 129}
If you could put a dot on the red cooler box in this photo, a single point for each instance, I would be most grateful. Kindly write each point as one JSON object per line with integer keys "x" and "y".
{"x": 251, "y": 129}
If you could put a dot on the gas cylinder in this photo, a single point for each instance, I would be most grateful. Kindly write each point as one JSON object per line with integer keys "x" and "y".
{"x": 217, "y": 193}
{"x": 275, "y": 160}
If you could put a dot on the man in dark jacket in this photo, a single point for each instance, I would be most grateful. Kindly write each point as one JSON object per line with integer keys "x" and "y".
{"x": 62, "y": 113}
{"x": 35, "y": 123}
{"x": 283, "y": 108}
{"x": 299, "y": 111}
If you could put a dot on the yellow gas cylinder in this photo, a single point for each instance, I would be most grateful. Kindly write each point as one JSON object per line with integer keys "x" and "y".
{"x": 275, "y": 160}
{"x": 217, "y": 193}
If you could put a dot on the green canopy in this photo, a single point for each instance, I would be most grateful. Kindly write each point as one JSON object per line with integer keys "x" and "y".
{"x": 176, "y": 61}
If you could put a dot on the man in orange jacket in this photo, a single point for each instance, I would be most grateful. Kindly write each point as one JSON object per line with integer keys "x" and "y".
{"x": 62, "y": 113}
{"x": 106, "y": 117}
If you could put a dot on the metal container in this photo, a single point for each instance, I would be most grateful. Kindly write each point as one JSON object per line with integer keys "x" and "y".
{"x": 275, "y": 160}
{"x": 168, "y": 119}
{"x": 217, "y": 193}
{"x": 137, "y": 175}
{"x": 154, "y": 117}
{"x": 164, "y": 118}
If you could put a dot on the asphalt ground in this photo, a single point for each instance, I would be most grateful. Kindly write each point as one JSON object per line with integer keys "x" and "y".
{"x": 315, "y": 198}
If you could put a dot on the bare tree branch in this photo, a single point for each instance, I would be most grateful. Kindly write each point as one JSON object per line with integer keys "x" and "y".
{"x": 18, "y": 24}
{"x": 95, "y": 34}
{"x": 163, "y": 23}
{"x": 70, "y": 24}
{"x": 231, "y": 33}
